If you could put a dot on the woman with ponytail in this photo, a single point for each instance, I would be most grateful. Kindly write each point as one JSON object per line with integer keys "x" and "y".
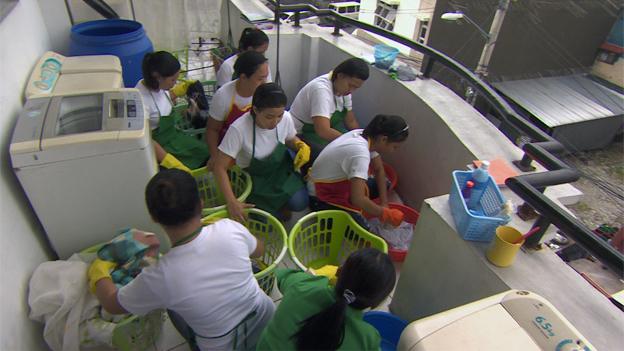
{"x": 315, "y": 316}
{"x": 259, "y": 142}
{"x": 338, "y": 177}
{"x": 158, "y": 88}
{"x": 252, "y": 39}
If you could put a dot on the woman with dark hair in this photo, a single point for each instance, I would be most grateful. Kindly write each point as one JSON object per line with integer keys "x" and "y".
{"x": 315, "y": 316}
{"x": 251, "y": 39}
{"x": 322, "y": 110}
{"x": 338, "y": 177}
{"x": 258, "y": 142}
{"x": 234, "y": 98}
{"x": 158, "y": 88}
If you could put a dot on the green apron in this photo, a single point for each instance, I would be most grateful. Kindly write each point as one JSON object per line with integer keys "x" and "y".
{"x": 191, "y": 151}
{"x": 274, "y": 180}
{"x": 336, "y": 122}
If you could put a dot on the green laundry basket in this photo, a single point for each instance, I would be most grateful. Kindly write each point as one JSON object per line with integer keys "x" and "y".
{"x": 211, "y": 194}
{"x": 328, "y": 238}
{"x": 266, "y": 227}
{"x": 133, "y": 332}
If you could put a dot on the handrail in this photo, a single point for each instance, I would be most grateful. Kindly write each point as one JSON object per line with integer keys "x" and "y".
{"x": 542, "y": 148}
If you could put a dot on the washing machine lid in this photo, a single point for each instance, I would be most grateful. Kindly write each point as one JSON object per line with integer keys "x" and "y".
{"x": 87, "y": 83}
{"x": 489, "y": 329}
{"x": 52, "y": 66}
{"x": 91, "y": 64}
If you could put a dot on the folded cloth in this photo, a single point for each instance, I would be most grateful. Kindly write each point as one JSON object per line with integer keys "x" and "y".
{"x": 128, "y": 250}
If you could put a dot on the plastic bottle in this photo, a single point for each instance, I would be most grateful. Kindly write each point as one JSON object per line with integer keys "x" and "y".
{"x": 480, "y": 178}
{"x": 467, "y": 190}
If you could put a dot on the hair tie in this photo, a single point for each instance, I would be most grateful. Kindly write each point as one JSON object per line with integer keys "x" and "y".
{"x": 349, "y": 296}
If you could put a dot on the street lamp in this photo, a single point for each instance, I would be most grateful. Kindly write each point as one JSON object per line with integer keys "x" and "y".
{"x": 486, "y": 54}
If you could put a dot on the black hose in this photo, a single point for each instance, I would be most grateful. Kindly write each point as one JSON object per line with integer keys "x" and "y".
{"x": 102, "y": 8}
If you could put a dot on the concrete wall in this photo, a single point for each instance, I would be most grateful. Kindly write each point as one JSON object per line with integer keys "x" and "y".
{"x": 24, "y": 39}
{"x": 536, "y": 36}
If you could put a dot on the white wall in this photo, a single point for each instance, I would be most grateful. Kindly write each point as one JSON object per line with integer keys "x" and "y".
{"x": 24, "y": 39}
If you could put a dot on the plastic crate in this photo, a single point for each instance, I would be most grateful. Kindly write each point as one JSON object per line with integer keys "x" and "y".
{"x": 266, "y": 227}
{"x": 183, "y": 123}
{"x": 211, "y": 194}
{"x": 481, "y": 224}
{"x": 132, "y": 332}
{"x": 328, "y": 238}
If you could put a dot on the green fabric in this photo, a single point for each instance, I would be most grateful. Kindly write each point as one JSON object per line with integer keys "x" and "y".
{"x": 274, "y": 179}
{"x": 304, "y": 296}
{"x": 188, "y": 149}
{"x": 336, "y": 122}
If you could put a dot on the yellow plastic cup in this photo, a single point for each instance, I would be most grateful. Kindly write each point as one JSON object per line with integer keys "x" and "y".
{"x": 503, "y": 252}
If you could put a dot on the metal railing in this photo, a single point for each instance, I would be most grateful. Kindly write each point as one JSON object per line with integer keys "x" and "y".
{"x": 542, "y": 147}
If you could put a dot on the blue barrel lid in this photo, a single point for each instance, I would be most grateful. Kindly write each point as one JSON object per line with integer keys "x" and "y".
{"x": 108, "y": 31}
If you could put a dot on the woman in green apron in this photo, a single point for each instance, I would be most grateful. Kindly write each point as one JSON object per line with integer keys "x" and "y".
{"x": 174, "y": 149}
{"x": 322, "y": 110}
{"x": 259, "y": 142}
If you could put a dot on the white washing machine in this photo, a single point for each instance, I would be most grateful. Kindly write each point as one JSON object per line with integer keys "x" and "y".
{"x": 84, "y": 159}
{"x": 513, "y": 320}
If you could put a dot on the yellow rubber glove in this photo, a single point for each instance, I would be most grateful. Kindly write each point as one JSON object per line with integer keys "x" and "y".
{"x": 99, "y": 269}
{"x": 328, "y": 271}
{"x": 169, "y": 161}
{"x": 180, "y": 89}
{"x": 303, "y": 155}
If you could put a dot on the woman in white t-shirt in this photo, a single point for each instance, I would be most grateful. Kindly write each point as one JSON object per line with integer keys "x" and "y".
{"x": 234, "y": 98}
{"x": 338, "y": 177}
{"x": 258, "y": 142}
{"x": 158, "y": 89}
{"x": 252, "y": 39}
{"x": 322, "y": 109}
{"x": 206, "y": 277}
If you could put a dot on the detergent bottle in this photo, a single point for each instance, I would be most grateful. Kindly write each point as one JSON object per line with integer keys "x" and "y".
{"x": 480, "y": 177}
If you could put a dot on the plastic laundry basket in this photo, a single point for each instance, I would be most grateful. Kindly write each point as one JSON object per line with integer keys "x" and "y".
{"x": 133, "y": 332}
{"x": 266, "y": 227}
{"x": 212, "y": 195}
{"x": 183, "y": 123}
{"x": 328, "y": 238}
{"x": 476, "y": 225}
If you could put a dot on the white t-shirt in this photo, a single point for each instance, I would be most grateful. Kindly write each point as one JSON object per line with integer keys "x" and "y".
{"x": 238, "y": 140}
{"x": 157, "y": 103}
{"x": 317, "y": 99}
{"x": 222, "y": 101}
{"x": 208, "y": 281}
{"x": 224, "y": 74}
{"x": 346, "y": 157}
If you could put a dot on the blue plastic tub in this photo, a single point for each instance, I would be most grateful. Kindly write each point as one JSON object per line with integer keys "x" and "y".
{"x": 389, "y": 327}
{"x": 481, "y": 224}
{"x": 385, "y": 56}
{"x": 122, "y": 38}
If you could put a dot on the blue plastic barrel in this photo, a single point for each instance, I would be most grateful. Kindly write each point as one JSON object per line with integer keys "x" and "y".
{"x": 122, "y": 38}
{"x": 389, "y": 327}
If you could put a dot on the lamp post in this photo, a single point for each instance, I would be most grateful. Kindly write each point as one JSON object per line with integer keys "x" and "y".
{"x": 491, "y": 37}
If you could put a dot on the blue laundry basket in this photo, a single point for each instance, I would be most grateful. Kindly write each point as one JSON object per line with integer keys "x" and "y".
{"x": 389, "y": 327}
{"x": 123, "y": 38}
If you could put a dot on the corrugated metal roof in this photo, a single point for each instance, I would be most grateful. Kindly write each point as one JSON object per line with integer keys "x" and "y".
{"x": 564, "y": 100}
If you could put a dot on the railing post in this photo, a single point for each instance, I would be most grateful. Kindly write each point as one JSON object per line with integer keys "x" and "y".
{"x": 427, "y": 66}
{"x": 525, "y": 163}
{"x": 297, "y": 18}
{"x": 336, "y": 28}
{"x": 533, "y": 241}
